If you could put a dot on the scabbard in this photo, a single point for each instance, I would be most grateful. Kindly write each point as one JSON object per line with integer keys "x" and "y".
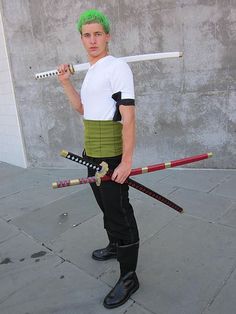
{"x": 170, "y": 164}
{"x": 159, "y": 197}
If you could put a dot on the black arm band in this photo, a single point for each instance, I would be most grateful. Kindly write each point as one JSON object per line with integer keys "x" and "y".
{"x": 119, "y": 101}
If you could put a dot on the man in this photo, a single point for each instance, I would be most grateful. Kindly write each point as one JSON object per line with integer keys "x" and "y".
{"x": 106, "y": 102}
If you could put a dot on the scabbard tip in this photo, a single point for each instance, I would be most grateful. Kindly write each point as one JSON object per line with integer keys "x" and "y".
{"x": 181, "y": 54}
{"x": 210, "y": 155}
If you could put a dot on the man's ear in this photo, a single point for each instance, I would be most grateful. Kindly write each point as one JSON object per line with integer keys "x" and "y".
{"x": 108, "y": 37}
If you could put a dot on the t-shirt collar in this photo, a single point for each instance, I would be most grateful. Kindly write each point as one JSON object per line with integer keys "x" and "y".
{"x": 98, "y": 62}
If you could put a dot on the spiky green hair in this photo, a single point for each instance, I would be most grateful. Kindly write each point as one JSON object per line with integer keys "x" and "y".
{"x": 93, "y": 16}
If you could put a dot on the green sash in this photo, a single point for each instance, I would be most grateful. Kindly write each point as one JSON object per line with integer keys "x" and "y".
{"x": 102, "y": 138}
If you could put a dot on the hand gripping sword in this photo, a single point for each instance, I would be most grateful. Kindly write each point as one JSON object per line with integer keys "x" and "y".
{"x": 97, "y": 178}
{"x": 85, "y": 66}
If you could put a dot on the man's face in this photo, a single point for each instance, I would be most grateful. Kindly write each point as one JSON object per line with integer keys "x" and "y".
{"x": 95, "y": 40}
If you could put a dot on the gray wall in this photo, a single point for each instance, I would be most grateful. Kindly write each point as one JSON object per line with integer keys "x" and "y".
{"x": 184, "y": 106}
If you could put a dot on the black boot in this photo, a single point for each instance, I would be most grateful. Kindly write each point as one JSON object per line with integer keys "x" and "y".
{"x": 108, "y": 252}
{"x": 128, "y": 282}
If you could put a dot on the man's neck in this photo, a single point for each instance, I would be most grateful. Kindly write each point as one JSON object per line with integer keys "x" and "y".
{"x": 93, "y": 60}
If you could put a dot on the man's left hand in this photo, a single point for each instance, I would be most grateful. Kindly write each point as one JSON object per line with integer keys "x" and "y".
{"x": 121, "y": 172}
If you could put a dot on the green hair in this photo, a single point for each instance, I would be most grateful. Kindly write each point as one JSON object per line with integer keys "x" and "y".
{"x": 93, "y": 16}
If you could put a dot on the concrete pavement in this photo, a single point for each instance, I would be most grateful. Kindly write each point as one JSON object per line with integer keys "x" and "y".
{"x": 187, "y": 262}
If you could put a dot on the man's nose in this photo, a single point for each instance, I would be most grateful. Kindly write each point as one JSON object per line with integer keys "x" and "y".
{"x": 93, "y": 39}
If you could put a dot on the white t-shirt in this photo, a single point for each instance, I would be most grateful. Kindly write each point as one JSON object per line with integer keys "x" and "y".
{"x": 105, "y": 78}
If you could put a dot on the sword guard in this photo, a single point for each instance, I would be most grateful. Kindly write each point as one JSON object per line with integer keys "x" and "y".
{"x": 101, "y": 173}
{"x": 71, "y": 68}
{"x": 98, "y": 180}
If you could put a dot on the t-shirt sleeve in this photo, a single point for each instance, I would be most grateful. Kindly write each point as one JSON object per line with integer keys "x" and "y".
{"x": 122, "y": 80}
{"x": 122, "y": 84}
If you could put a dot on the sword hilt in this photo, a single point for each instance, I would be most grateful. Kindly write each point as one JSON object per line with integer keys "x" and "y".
{"x": 101, "y": 169}
{"x": 65, "y": 183}
{"x": 80, "y": 160}
{"x": 53, "y": 72}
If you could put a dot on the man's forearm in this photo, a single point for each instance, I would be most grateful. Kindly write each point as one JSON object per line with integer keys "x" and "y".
{"x": 73, "y": 96}
{"x": 128, "y": 137}
{"x": 128, "y": 143}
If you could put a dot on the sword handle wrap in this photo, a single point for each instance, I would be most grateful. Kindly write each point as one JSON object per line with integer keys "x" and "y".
{"x": 80, "y": 160}
{"x": 53, "y": 73}
{"x": 65, "y": 183}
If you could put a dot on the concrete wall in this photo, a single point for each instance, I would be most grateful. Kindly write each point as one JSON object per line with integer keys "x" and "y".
{"x": 184, "y": 107}
{"x": 11, "y": 142}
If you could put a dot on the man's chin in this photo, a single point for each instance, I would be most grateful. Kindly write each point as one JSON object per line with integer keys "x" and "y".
{"x": 96, "y": 54}
{"x": 93, "y": 54}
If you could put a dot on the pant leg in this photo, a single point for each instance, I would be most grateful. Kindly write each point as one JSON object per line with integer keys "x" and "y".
{"x": 113, "y": 199}
{"x": 119, "y": 212}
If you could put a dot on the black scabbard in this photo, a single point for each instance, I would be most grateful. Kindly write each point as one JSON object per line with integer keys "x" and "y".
{"x": 144, "y": 189}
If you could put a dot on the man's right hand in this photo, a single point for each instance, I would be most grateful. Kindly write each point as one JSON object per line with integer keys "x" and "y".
{"x": 73, "y": 96}
{"x": 64, "y": 72}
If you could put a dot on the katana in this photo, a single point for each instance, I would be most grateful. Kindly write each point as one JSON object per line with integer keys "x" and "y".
{"x": 134, "y": 172}
{"x": 85, "y": 66}
{"x": 97, "y": 178}
{"x": 102, "y": 169}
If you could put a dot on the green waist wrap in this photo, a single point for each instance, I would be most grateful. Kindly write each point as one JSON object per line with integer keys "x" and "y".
{"x": 102, "y": 138}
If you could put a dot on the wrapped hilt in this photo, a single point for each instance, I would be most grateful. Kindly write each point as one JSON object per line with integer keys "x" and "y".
{"x": 53, "y": 72}
{"x": 101, "y": 169}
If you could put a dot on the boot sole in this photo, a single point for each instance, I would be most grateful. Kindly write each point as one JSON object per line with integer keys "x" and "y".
{"x": 123, "y": 302}
{"x": 103, "y": 258}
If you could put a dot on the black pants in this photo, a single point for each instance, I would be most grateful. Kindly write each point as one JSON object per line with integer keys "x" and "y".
{"x": 113, "y": 199}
